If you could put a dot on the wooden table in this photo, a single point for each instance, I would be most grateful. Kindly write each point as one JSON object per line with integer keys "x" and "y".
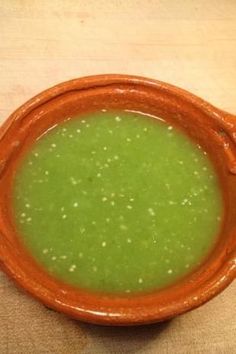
{"x": 189, "y": 43}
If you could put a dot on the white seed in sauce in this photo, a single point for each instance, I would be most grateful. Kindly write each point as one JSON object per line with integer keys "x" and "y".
{"x": 151, "y": 212}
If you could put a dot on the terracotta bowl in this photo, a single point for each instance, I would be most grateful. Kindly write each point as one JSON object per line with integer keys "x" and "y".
{"x": 214, "y": 129}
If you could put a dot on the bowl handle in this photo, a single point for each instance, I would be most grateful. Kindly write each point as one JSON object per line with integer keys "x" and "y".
{"x": 228, "y": 126}
{"x": 227, "y": 136}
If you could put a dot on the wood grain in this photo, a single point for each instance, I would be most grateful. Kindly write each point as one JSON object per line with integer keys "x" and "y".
{"x": 188, "y": 43}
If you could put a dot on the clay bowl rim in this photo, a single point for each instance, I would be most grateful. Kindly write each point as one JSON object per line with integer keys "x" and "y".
{"x": 125, "y": 316}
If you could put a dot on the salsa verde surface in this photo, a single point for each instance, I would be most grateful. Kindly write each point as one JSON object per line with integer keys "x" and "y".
{"x": 117, "y": 202}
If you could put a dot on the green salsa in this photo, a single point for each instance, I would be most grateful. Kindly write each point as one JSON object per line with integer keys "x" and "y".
{"x": 117, "y": 202}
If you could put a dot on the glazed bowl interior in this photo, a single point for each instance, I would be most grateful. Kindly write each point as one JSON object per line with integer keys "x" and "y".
{"x": 203, "y": 123}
